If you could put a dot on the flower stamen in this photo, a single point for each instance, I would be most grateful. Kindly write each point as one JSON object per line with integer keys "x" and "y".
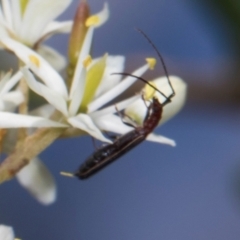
{"x": 151, "y": 62}
{"x": 34, "y": 60}
{"x": 92, "y": 21}
{"x": 149, "y": 91}
{"x": 87, "y": 61}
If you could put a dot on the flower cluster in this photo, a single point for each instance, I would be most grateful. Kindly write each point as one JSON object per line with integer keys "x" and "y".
{"x": 75, "y": 105}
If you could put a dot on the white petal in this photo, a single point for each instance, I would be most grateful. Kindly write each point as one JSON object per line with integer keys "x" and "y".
{"x": 16, "y": 16}
{"x": 57, "y": 61}
{"x": 15, "y": 97}
{"x": 11, "y": 82}
{"x": 2, "y": 105}
{"x": 112, "y": 123}
{"x": 161, "y": 83}
{"x": 13, "y": 120}
{"x": 116, "y": 107}
{"x": 178, "y": 100}
{"x": 84, "y": 122}
{"x": 6, "y": 19}
{"x": 4, "y": 79}
{"x": 113, "y": 64}
{"x": 37, "y": 15}
{"x": 11, "y": 100}
{"x": 82, "y": 55}
{"x": 6, "y": 233}
{"x": 160, "y": 139}
{"x": 54, "y": 98}
{"x": 3, "y": 34}
{"x": 42, "y": 69}
{"x": 6, "y": 5}
{"x": 78, "y": 94}
{"x": 138, "y": 110}
{"x": 1, "y": 14}
{"x": 36, "y": 178}
{"x": 44, "y": 111}
{"x": 5, "y": 30}
{"x": 117, "y": 90}
{"x": 57, "y": 27}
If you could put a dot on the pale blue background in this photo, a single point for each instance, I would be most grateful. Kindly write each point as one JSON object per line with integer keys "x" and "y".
{"x": 155, "y": 191}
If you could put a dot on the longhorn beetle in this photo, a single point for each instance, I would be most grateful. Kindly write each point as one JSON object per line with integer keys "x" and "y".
{"x": 111, "y": 152}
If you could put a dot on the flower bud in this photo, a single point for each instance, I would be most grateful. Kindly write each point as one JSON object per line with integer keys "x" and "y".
{"x": 77, "y": 35}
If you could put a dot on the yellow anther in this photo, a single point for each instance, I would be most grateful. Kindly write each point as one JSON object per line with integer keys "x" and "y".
{"x": 149, "y": 91}
{"x": 92, "y": 21}
{"x": 34, "y": 60}
{"x": 87, "y": 61}
{"x": 151, "y": 62}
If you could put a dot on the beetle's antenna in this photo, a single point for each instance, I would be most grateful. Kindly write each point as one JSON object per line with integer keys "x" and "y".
{"x": 142, "y": 79}
{"x": 160, "y": 58}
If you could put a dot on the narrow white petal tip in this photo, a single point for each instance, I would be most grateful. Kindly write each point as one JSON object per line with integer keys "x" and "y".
{"x": 161, "y": 139}
{"x": 6, "y": 233}
{"x": 39, "y": 182}
{"x": 172, "y": 143}
{"x": 100, "y": 18}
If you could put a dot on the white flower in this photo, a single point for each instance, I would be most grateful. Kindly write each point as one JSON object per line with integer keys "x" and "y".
{"x": 35, "y": 177}
{"x": 89, "y": 98}
{"x": 6, "y": 233}
{"x": 75, "y": 108}
{"x": 82, "y": 92}
{"x": 31, "y": 22}
{"x": 81, "y": 101}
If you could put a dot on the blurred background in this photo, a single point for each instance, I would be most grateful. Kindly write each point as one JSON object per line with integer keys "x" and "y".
{"x": 154, "y": 192}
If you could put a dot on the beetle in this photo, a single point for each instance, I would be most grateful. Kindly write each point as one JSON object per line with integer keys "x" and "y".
{"x": 123, "y": 144}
